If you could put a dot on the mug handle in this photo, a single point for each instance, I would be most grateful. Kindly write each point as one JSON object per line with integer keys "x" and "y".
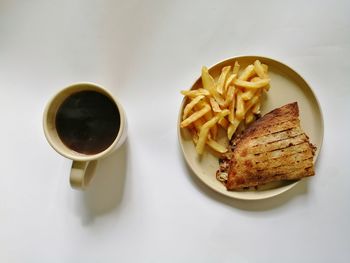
{"x": 79, "y": 178}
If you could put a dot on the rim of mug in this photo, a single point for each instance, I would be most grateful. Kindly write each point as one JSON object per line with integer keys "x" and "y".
{"x": 69, "y": 153}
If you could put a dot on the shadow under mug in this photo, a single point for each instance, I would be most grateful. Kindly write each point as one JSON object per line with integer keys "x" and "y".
{"x": 78, "y": 177}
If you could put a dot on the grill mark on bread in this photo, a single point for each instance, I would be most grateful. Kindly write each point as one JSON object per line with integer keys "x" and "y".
{"x": 282, "y": 150}
{"x": 297, "y": 163}
{"x": 284, "y": 169}
{"x": 279, "y": 144}
{"x": 275, "y": 131}
{"x": 293, "y": 160}
{"x": 275, "y": 136}
{"x": 279, "y": 140}
{"x": 292, "y": 155}
{"x": 252, "y": 134}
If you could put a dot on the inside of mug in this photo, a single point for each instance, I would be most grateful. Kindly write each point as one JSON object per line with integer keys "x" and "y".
{"x": 50, "y": 122}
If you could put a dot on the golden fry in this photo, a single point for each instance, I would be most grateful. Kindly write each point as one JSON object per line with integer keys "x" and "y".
{"x": 229, "y": 95}
{"x": 247, "y": 95}
{"x": 195, "y": 93}
{"x": 207, "y": 80}
{"x": 265, "y": 67}
{"x": 259, "y": 69}
{"x": 247, "y": 73}
{"x": 209, "y": 84}
{"x": 240, "y": 106}
{"x": 250, "y": 117}
{"x": 195, "y": 116}
{"x": 266, "y": 70}
{"x": 191, "y": 105}
{"x": 256, "y": 108}
{"x": 223, "y": 123}
{"x": 214, "y": 130}
{"x": 250, "y": 103}
{"x": 236, "y": 68}
{"x": 222, "y": 79}
{"x": 218, "y": 98}
{"x": 229, "y": 81}
{"x": 216, "y": 146}
{"x": 232, "y": 128}
{"x": 252, "y": 85}
{"x": 231, "y": 115}
{"x": 203, "y": 134}
{"x": 214, "y": 105}
{"x": 198, "y": 124}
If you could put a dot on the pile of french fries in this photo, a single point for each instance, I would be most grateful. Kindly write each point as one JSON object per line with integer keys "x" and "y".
{"x": 232, "y": 99}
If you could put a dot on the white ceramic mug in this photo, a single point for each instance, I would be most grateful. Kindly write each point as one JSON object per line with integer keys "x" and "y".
{"x": 78, "y": 177}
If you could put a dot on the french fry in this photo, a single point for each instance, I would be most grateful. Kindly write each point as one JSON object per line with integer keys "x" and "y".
{"x": 203, "y": 134}
{"x": 229, "y": 81}
{"x": 194, "y": 137}
{"x": 249, "y": 117}
{"x": 207, "y": 80}
{"x": 214, "y": 105}
{"x": 201, "y": 104}
{"x": 247, "y": 95}
{"x": 222, "y": 79}
{"x": 252, "y": 85}
{"x": 255, "y": 79}
{"x": 240, "y": 106}
{"x": 191, "y": 105}
{"x": 195, "y": 93}
{"x": 250, "y": 103}
{"x": 259, "y": 69}
{"x": 216, "y": 146}
{"x": 265, "y": 67}
{"x": 223, "y": 123}
{"x": 229, "y": 95}
{"x": 256, "y": 108}
{"x": 247, "y": 73}
{"x": 214, "y": 131}
{"x": 209, "y": 84}
{"x": 195, "y": 116}
{"x": 208, "y": 116}
{"x": 231, "y": 115}
{"x": 232, "y": 128}
{"x": 236, "y": 68}
{"x": 198, "y": 123}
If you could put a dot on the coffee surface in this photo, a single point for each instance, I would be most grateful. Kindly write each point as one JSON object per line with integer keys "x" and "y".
{"x": 88, "y": 122}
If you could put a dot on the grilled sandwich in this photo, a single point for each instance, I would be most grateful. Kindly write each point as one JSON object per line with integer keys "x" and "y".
{"x": 273, "y": 148}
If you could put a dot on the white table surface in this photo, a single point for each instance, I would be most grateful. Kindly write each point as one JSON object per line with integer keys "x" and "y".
{"x": 144, "y": 204}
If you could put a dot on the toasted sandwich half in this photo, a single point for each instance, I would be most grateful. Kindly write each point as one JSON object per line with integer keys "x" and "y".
{"x": 273, "y": 148}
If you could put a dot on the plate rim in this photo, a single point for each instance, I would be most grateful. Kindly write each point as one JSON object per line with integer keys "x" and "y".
{"x": 285, "y": 188}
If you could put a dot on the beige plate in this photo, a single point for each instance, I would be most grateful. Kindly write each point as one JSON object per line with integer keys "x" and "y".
{"x": 286, "y": 86}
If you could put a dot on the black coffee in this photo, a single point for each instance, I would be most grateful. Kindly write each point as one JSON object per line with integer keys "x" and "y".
{"x": 88, "y": 122}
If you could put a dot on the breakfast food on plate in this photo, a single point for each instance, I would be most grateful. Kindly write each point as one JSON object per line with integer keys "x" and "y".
{"x": 272, "y": 148}
{"x": 234, "y": 98}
